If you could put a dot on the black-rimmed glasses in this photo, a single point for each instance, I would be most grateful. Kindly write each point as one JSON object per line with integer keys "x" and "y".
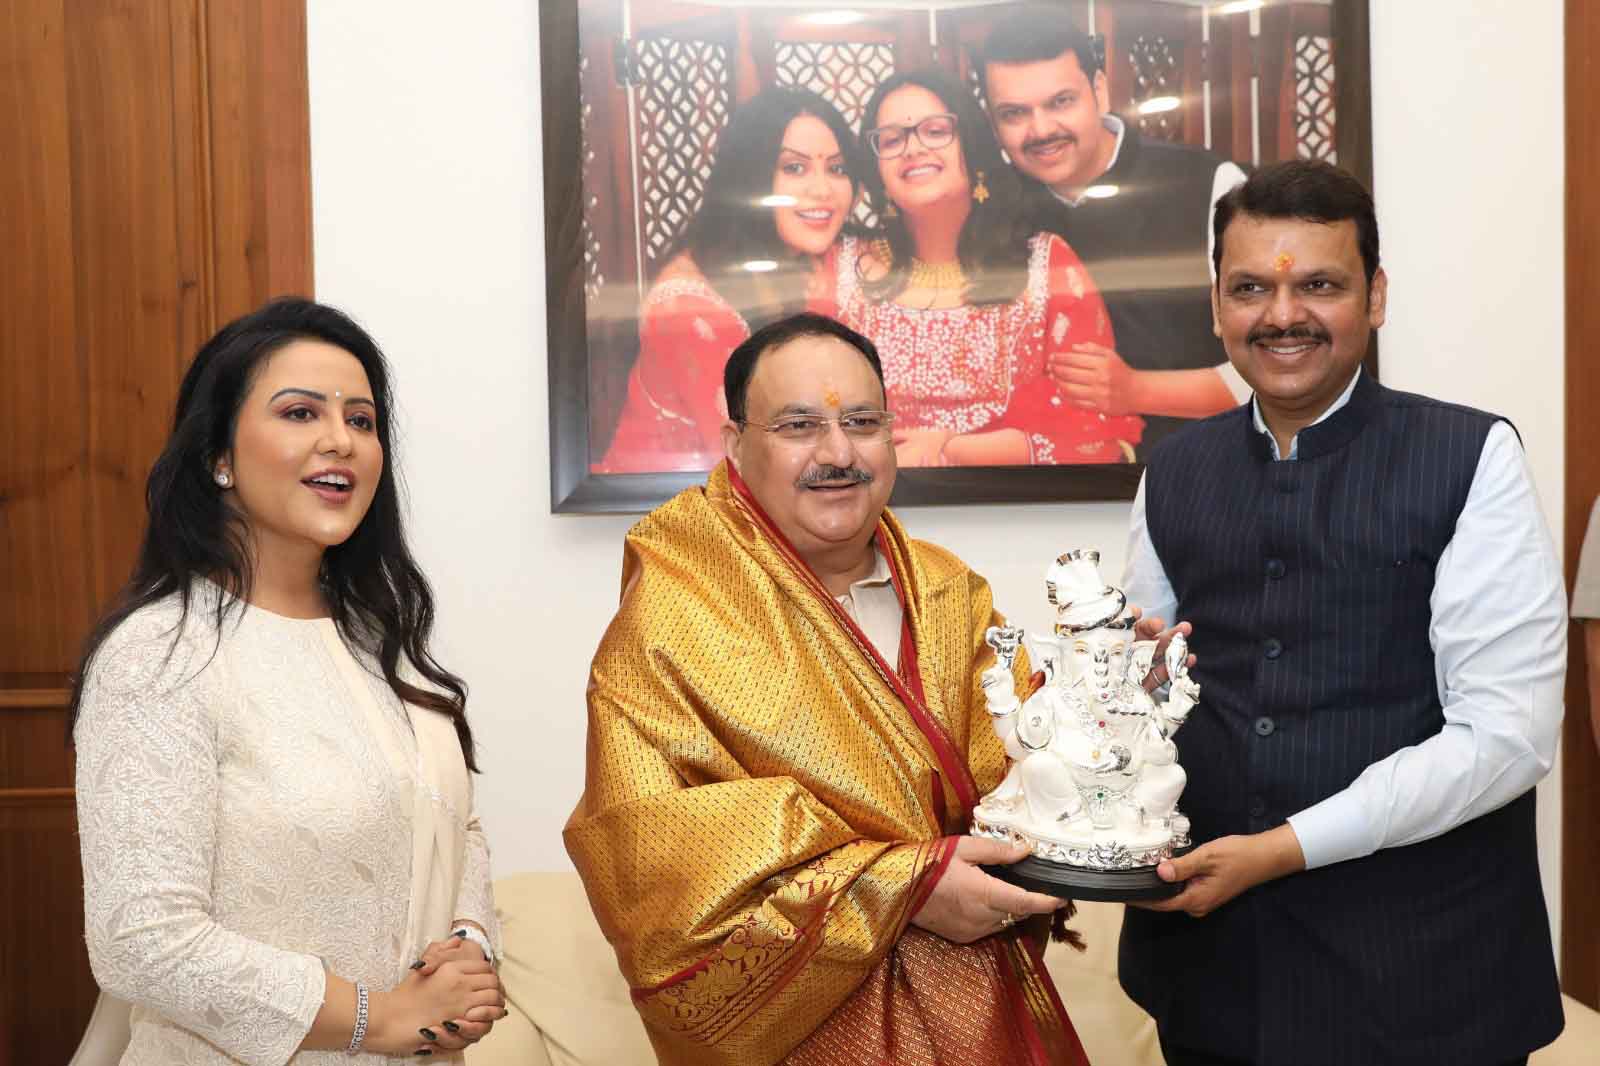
{"x": 935, "y": 131}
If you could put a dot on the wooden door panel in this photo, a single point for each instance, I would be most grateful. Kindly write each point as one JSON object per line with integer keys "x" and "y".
{"x": 259, "y": 130}
{"x": 157, "y": 184}
{"x": 49, "y": 989}
{"x": 34, "y": 752}
{"x": 126, "y": 272}
{"x": 1580, "y": 763}
{"x": 48, "y": 597}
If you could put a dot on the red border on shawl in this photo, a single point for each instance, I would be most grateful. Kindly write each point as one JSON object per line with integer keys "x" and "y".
{"x": 802, "y": 935}
{"x": 906, "y": 912}
{"x": 947, "y": 851}
{"x": 1035, "y": 952}
{"x": 1011, "y": 982}
{"x": 966, "y": 788}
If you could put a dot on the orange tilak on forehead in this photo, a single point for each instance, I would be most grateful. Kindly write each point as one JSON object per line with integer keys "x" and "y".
{"x": 1284, "y": 263}
{"x": 830, "y": 396}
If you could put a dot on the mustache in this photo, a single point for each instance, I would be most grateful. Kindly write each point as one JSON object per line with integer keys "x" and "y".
{"x": 1293, "y": 333}
{"x": 1034, "y": 144}
{"x": 819, "y": 474}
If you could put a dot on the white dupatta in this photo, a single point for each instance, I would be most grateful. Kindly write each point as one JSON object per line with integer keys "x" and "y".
{"x": 441, "y": 799}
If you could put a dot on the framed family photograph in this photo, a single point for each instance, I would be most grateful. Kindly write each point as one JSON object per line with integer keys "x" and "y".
{"x": 1012, "y": 201}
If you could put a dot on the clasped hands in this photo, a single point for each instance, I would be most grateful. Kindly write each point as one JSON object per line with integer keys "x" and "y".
{"x": 450, "y": 999}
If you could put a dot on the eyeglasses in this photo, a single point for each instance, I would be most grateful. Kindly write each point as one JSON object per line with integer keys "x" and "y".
{"x": 935, "y": 131}
{"x": 809, "y": 429}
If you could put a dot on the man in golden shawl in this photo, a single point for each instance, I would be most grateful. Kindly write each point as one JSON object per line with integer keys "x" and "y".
{"x": 786, "y": 740}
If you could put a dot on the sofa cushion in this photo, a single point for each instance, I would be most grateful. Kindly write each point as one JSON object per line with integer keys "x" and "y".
{"x": 569, "y": 1004}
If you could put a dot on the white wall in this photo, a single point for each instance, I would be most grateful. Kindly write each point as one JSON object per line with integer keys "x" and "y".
{"x": 1470, "y": 191}
{"x": 426, "y": 182}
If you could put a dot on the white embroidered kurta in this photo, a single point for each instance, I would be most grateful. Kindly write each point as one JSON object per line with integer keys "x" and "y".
{"x": 242, "y": 824}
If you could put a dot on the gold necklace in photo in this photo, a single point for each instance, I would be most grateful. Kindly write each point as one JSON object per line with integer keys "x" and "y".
{"x": 940, "y": 277}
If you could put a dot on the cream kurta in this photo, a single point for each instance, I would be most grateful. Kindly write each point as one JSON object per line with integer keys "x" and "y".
{"x": 243, "y": 822}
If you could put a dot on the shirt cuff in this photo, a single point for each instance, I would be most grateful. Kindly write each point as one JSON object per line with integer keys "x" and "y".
{"x": 1332, "y": 831}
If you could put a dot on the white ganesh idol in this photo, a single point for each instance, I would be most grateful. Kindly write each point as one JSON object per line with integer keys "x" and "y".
{"x": 1094, "y": 779}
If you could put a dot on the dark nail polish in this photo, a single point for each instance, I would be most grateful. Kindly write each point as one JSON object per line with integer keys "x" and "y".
{"x": 453, "y": 1027}
{"x": 460, "y": 933}
{"x": 419, "y": 964}
{"x": 428, "y": 1034}
{"x": 423, "y": 1051}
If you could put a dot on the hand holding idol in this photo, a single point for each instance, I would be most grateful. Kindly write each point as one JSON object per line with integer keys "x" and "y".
{"x": 1168, "y": 641}
{"x": 967, "y": 904}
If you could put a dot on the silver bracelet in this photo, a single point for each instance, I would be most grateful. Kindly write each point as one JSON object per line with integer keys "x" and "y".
{"x": 466, "y": 932}
{"x": 360, "y": 1032}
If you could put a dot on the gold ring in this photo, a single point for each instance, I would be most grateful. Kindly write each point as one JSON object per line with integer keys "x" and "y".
{"x": 1008, "y": 921}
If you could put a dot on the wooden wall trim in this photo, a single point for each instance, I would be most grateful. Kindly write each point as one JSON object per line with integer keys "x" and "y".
{"x": 32, "y": 698}
{"x": 1580, "y": 763}
{"x": 38, "y": 797}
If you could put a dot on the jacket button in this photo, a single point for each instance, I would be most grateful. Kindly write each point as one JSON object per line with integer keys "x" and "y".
{"x": 1265, "y": 726}
{"x": 1275, "y": 568}
{"x": 1258, "y": 806}
{"x": 1273, "y": 648}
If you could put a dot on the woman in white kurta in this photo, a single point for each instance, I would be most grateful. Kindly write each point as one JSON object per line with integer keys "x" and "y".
{"x": 273, "y": 791}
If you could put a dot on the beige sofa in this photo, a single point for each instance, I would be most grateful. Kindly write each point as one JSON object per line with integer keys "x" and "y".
{"x": 569, "y": 1006}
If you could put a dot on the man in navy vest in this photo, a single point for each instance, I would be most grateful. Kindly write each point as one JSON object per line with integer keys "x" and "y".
{"x": 1136, "y": 210}
{"x": 1379, "y": 619}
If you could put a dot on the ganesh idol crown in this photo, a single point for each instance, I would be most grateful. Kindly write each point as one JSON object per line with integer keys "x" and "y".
{"x": 1093, "y": 783}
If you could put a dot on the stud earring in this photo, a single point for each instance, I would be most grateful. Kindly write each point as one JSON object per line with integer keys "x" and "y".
{"x": 980, "y": 191}
{"x": 222, "y": 478}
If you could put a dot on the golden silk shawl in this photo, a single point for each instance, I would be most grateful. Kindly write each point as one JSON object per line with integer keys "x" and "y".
{"x": 768, "y": 803}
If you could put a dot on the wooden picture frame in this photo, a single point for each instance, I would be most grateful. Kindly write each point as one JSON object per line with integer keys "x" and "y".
{"x": 585, "y": 331}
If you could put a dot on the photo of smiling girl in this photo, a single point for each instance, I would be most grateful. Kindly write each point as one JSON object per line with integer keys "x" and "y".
{"x": 781, "y": 188}
{"x": 962, "y": 299}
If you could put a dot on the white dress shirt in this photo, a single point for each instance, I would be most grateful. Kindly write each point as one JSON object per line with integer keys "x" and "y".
{"x": 873, "y": 604}
{"x": 1499, "y": 637}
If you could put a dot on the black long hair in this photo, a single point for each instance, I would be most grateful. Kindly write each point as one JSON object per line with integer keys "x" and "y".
{"x": 376, "y": 593}
{"x": 732, "y": 226}
{"x": 993, "y": 247}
